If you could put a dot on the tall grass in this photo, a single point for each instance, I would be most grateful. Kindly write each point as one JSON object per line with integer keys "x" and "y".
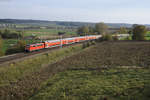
{"x": 14, "y": 71}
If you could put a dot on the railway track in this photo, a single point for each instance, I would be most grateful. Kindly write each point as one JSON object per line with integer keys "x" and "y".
{"x": 19, "y": 56}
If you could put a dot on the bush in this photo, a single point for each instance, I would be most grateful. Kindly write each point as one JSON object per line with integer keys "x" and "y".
{"x": 8, "y": 34}
{"x": 93, "y": 42}
{"x": 115, "y": 38}
{"x": 106, "y": 37}
{"x": 87, "y": 44}
{"x": 19, "y": 47}
{"x": 139, "y": 32}
{"x": 127, "y": 38}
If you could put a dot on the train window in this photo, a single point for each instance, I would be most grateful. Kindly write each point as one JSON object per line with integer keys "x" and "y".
{"x": 39, "y": 44}
{"x": 27, "y": 45}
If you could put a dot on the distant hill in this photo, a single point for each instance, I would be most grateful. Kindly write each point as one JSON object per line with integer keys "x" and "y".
{"x": 59, "y": 23}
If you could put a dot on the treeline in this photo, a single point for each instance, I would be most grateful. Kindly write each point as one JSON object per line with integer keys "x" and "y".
{"x": 99, "y": 28}
{"x": 8, "y": 34}
{"x": 137, "y": 32}
{"x": 58, "y": 23}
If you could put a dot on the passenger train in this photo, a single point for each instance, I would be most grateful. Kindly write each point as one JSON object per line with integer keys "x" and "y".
{"x": 59, "y": 42}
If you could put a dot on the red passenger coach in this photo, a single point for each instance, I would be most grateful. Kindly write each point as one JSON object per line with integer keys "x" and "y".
{"x": 77, "y": 39}
{"x": 70, "y": 40}
{"x": 58, "y": 42}
{"x": 64, "y": 41}
{"x": 33, "y": 47}
{"x": 52, "y": 43}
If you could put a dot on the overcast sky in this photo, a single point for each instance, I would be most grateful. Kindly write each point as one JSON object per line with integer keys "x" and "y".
{"x": 109, "y": 11}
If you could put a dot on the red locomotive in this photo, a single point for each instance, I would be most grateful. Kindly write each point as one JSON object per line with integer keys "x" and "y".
{"x": 58, "y": 42}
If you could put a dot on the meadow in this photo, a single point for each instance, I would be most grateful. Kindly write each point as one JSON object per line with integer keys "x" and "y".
{"x": 41, "y": 32}
{"x": 148, "y": 35}
{"x": 14, "y": 77}
{"x": 110, "y": 70}
{"x": 107, "y": 70}
{"x": 116, "y": 70}
{"x": 113, "y": 84}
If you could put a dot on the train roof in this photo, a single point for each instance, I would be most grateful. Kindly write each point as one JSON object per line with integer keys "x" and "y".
{"x": 60, "y": 39}
{"x": 69, "y": 38}
{"x": 52, "y": 40}
{"x": 57, "y": 40}
{"x": 34, "y": 44}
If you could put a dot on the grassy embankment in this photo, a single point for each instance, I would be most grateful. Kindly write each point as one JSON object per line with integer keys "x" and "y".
{"x": 114, "y": 71}
{"x": 21, "y": 80}
{"x": 15, "y": 71}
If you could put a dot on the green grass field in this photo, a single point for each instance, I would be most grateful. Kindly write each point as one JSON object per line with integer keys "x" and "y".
{"x": 148, "y": 32}
{"x": 113, "y": 84}
{"x": 148, "y": 35}
{"x": 42, "y": 32}
{"x": 7, "y": 43}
